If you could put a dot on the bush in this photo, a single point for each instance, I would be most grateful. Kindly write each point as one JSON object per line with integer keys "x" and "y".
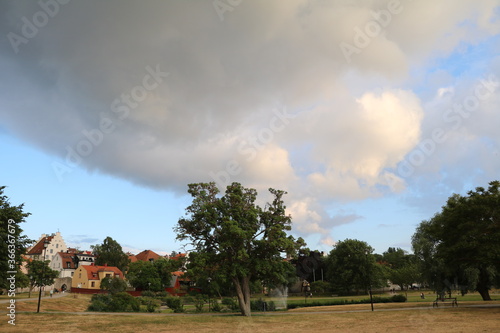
{"x": 119, "y": 302}
{"x": 188, "y": 300}
{"x": 161, "y": 294}
{"x": 175, "y": 304}
{"x": 398, "y": 298}
{"x": 199, "y": 302}
{"x": 259, "y": 305}
{"x": 151, "y": 305}
{"x": 148, "y": 293}
{"x": 230, "y": 303}
{"x": 376, "y": 299}
{"x": 216, "y": 307}
{"x": 320, "y": 287}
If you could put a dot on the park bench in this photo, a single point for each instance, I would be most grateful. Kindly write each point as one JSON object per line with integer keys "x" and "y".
{"x": 444, "y": 300}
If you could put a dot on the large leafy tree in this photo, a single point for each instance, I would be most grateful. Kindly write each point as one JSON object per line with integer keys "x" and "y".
{"x": 351, "y": 267}
{"x": 156, "y": 275}
{"x": 236, "y": 237}
{"x": 460, "y": 245}
{"x": 14, "y": 243}
{"x": 40, "y": 274}
{"x": 110, "y": 252}
{"x": 401, "y": 267}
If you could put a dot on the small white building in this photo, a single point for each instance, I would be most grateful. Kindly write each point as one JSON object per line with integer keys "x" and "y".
{"x": 64, "y": 263}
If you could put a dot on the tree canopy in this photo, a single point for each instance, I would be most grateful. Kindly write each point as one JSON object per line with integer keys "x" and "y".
{"x": 459, "y": 247}
{"x": 40, "y": 274}
{"x": 233, "y": 235}
{"x": 156, "y": 275}
{"x": 351, "y": 267}
{"x": 110, "y": 252}
{"x": 14, "y": 243}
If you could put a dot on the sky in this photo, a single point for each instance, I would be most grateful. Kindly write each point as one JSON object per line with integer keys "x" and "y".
{"x": 370, "y": 114}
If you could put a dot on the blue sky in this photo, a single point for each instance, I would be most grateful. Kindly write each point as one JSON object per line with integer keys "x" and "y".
{"x": 149, "y": 98}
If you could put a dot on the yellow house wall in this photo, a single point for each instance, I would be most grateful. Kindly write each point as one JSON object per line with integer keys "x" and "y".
{"x": 81, "y": 278}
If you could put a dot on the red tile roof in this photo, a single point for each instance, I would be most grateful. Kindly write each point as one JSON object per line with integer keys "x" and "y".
{"x": 93, "y": 271}
{"x": 67, "y": 258}
{"x": 178, "y": 256}
{"x": 38, "y": 248}
{"x": 147, "y": 255}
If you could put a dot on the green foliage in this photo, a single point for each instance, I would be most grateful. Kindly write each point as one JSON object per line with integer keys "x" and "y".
{"x": 119, "y": 302}
{"x": 234, "y": 236}
{"x": 111, "y": 253}
{"x": 40, "y": 274}
{"x": 262, "y": 305}
{"x": 199, "y": 302}
{"x": 113, "y": 285}
{"x": 376, "y": 299}
{"x": 144, "y": 275}
{"x": 215, "y": 306}
{"x": 321, "y": 287}
{"x": 458, "y": 247}
{"x": 175, "y": 304}
{"x": 230, "y": 303}
{"x": 13, "y": 243}
{"x": 161, "y": 294}
{"x": 154, "y": 275}
{"x": 352, "y": 267}
{"x": 148, "y": 293}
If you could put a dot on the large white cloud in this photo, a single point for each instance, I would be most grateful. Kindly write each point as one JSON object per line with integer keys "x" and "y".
{"x": 265, "y": 96}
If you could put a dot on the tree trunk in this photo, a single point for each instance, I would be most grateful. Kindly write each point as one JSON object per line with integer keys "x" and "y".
{"x": 243, "y": 293}
{"x": 482, "y": 285}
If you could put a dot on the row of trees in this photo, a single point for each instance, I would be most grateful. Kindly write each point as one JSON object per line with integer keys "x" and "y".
{"x": 238, "y": 244}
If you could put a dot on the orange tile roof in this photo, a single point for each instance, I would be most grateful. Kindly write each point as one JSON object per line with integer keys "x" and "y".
{"x": 38, "y": 248}
{"x": 178, "y": 256}
{"x": 91, "y": 270}
{"x": 147, "y": 255}
{"x": 67, "y": 258}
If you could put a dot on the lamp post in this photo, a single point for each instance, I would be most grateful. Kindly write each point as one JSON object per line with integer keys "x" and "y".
{"x": 209, "y": 280}
{"x": 45, "y": 245}
{"x": 368, "y": 276}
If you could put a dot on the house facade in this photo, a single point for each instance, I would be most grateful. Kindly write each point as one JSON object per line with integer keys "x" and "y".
{"x": 64, "y": 263}
{"x": 55, "y": 244}
{"x": 90, "y": 276}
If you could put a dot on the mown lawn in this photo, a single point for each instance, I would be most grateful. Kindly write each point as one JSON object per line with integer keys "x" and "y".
{"x": 424, "y": 320}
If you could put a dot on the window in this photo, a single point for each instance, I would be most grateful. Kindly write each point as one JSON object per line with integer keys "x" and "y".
{"x": 51, "y": 250}
{"x": 57, "y": 246}
{"x": 68, "y": 264}
{"x": 92, "y": 284}
{"x": 80, "y": 275}
{"x": 72, "y": 274}
{"x": 108, "y": 275}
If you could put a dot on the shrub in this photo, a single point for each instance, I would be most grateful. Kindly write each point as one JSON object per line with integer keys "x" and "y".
{"x": 148, "y": 293}
{"x": 119, "y": 302}
{"x": 123, "y": 302}
{"x": 175, "y": 304}
{"x": 199, "y": 302}
{"x": 216, "y": 307}
{"x": 321, "y": 287}
{"x": 161, "y": 294}
{"x": 188, "y": 300}
{"x": 376, "y": 299}
{"x": 230, "y": 303}
{"x": 398, "y": 298}
{"x": 151, "y": 305}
